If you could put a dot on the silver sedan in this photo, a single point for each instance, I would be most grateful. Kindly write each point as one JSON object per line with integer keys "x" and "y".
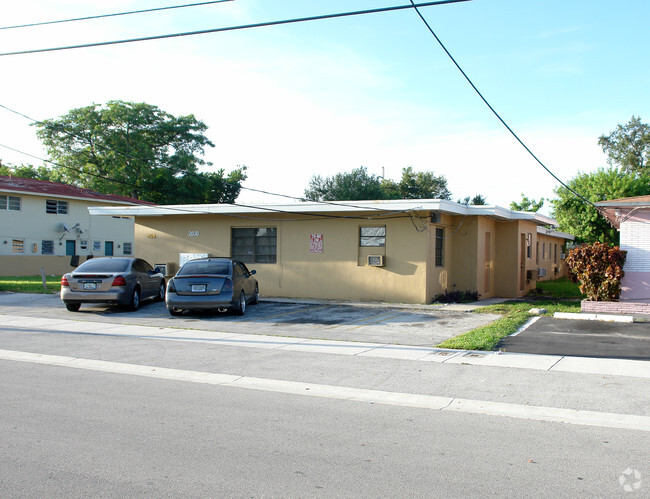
{"x": 112, "y": 280}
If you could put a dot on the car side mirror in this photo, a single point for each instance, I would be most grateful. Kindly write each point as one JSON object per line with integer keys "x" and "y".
{"x": 252, "y": 272}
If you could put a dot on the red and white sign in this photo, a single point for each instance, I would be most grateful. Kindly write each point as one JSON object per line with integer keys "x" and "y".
{"x": 316, "y": 243}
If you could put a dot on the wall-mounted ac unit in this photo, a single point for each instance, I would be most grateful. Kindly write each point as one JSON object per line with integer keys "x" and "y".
{"x": 530, "y": 275}
{"x": 375, "y": 260}
{"x": 435, "y": 217}
{"x": 562, "y": 256}
{"x": 541, "y": 272}
{"x": 166, "y": 268}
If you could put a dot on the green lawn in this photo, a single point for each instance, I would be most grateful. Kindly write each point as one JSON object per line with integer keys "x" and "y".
{"x": 558, "y": 296}
{"x": 31, "y": 284}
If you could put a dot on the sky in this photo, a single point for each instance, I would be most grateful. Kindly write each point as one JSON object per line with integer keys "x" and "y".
{"x": 317, "y": 98}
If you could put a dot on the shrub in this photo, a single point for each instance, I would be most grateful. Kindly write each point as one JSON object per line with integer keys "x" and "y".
{"x": 599, "y": 270}
{"x": 456, "y": 297}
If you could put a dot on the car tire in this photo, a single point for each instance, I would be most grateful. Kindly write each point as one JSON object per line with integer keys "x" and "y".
{"x": 256, "y": 296}
{"x": 73, "y": 307}
{"x": 175, "y": 311}
{"x": 241, "y": 304}
{"x": 135, "y": 300}
{"x": 161, "y": 292}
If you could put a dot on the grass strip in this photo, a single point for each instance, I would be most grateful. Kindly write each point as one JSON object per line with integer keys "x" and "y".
{"x": 31, "y": 284}
{"x": 514, "y": 315}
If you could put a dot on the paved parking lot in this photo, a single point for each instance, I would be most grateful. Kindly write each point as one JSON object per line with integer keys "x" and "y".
{"x": 417, "y": 326}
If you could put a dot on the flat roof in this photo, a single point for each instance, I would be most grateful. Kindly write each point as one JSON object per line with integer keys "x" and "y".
{"x": 382, "y": 207}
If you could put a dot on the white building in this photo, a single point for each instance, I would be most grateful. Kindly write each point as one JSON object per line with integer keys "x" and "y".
{"x": 47, "y": 225}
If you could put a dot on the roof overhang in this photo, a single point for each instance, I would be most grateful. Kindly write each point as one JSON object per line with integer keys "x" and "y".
{"x": 381, "y": 207}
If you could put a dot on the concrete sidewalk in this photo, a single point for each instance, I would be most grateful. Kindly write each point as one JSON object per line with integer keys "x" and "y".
{"x": 555, "y": 363}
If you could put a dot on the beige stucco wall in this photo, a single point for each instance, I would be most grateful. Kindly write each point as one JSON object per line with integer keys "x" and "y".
{"x": 549, "y": 257}
{"x": 339, "y": 272}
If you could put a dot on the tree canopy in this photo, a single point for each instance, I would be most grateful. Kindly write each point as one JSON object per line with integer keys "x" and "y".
{"x": 136, "y": 150}
{"x": 361, "y": 185}
{"x": 583, "y": 220}
{"x": 628, "y": 146}
{"x": 527, "y": 204}
{"x": 477, "y": 200}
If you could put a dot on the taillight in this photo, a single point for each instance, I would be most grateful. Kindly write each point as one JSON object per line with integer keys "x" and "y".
{"x": 64, "y": 282}
{"x": 171, "y": 287}
{"x": 227, "y": 285}
{"x": 119, "y": 281}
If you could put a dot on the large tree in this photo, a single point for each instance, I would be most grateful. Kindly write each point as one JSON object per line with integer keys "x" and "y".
{"x": 527, "y": 204}
{"x": 137, "y": 150}
{"x": 29, "y": 171}
{"x": 580, "y": 218}
{"x": 359, "y": 185}
{"x": 628, "y": 146}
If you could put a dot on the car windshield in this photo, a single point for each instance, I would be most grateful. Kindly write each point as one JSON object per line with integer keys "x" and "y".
{"x": 104, "y": 265}
{"x": 204, "y": 267}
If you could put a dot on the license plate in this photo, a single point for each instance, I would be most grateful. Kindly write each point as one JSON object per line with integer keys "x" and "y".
{"x": 89, "y": 286}
{"x": 198, "y": 288}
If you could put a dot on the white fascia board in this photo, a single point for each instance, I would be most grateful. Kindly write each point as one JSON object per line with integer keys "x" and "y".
{"x": 381, "y": 206}
{"x": 555, "y": 233}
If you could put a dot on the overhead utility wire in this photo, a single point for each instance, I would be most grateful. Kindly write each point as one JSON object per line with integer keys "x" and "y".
{"x": 235, "y": 28}
{"x": 101, "y": 16}
{"x": 492, "y": 109}
{"x": 142, "y": 160}
{"x": 384, "y": 216}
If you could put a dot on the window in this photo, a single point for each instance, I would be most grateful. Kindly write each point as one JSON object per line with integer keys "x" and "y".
{"x": 543, "y": 251}
{"x": 529, "y": 241}
{"x": 56, "y": 207}
{"x": 47, "y": 247}
{"x": 11, "y": 203}
{"x": 440, "y": 239}
{"x": 555, "y": 254}
{"x": 18, "y": 246}
{"x": 127, "y": 248}
{"x": 97, "y": 245}
{"x": 83, "y": 244}
{"x": 372, "y": 236}
{"x": 255, "y": 245}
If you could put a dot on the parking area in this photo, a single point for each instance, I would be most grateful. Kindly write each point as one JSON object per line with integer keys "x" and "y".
{"x": 404, "y": 325}
{"x": 582, "y": 338}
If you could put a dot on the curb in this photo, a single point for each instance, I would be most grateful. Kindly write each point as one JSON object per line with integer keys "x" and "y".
{"x": 594, "y": 317}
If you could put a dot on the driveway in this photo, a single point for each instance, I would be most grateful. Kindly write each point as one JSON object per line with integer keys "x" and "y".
{"x": 582, "y": 338}
{"x": 376, "y": 323}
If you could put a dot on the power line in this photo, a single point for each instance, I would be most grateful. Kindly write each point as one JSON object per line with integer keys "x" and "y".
{"x": 146, "y": 162}
{"x": 101, "y": 16}
{"x": 234, "y": 28}
{"x": 493, "y": 110}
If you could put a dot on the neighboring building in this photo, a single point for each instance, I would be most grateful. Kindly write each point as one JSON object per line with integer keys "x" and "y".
{"x": 631, "y": 216}
{"x": 397, "y": 251}
{"x": 46, "y": 224}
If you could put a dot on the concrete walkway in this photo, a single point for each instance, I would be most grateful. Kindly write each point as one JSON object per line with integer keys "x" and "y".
{"x": 555, "y": 363}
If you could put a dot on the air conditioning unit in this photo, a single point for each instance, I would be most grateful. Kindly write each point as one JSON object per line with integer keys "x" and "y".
{"x": 541, "y": 272}
{"x": 562, "y": 256}
{"x": 376, "y": 260}
{"x": 434, "y": 217}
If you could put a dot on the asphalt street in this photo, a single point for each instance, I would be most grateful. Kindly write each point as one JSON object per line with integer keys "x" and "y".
{"x": 103, "y": 410}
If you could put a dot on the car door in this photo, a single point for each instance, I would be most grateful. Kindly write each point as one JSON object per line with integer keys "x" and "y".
{"x": 147, "y": 284}
{"x": 248, "y": 283}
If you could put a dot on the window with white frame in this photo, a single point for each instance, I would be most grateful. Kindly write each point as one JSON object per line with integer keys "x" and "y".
{"x": 97, "y": 245}
{"x": 127, "y": 248}
{"x": 83, "y": 244}
{"x": 11, "y": 203}
{"x": 47, "y": 247}
{"x": 17, "y": 246}
{"x": 56, "y": 207}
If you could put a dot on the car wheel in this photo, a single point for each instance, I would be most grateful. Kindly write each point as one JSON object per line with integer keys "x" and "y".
{"x": 174, "y": 311}
{"x": 73, "y": 307}
{"x": 241, "y": 306}
{"x": 135, "y": 300}
{"x": 256, "y": 296}
{"x": 161, "y": 292}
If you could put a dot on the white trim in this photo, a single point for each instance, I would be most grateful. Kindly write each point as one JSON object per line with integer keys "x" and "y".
{"x": 381, "y": 206}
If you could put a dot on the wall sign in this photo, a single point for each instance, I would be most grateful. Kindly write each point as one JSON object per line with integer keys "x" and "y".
{"x": 316, "y": 243}
{"x": 193, "y": 233}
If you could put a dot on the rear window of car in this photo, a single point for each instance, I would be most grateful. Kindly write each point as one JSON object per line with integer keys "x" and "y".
{"x": 110, "y": 265}
{"x": 205, "y": 268}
